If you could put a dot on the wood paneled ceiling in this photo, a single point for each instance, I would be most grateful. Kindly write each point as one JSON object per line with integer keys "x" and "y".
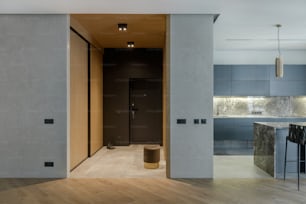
{"x": 145, "y": 30}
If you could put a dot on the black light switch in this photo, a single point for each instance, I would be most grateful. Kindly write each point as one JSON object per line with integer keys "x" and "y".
{"x": 196, "y": 121}
{"x": 49, "y": 121}
{"x": 203, "y": 121}
{"x": 180, "y": 121}
{"x": 49, "y": 164}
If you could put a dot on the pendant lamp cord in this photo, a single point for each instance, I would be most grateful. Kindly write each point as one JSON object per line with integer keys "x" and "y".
{"x": 278, "y": 41}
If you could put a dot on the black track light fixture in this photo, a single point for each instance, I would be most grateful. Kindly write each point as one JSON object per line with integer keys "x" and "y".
{"x": 122, "y": 26}
{"x": 130, "y": 44}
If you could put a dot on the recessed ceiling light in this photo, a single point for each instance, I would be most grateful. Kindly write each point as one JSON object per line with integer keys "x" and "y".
{"x": 122, "y": 26}
{"x": 130, "y": 44}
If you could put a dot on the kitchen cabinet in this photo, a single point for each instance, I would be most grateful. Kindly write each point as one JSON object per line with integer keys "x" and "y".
{"x": 259, "y": 80}
{"x": 222, "y": 80}
{"x": 223, "y": 129}
{"x": 250, "y": 72}
{"x": 291, "y": 73}
{"x": 293, "y": 82}
{"x": 223, "y": 87}
{"x": 250, "y": 88}
{"x": 236, "y": 135}
{"x": 287, "y": 88}
{"x": 242, "y": 128}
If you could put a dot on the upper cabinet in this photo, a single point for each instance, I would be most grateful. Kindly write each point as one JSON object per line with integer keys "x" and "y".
{"x": 250, "y": 72}
{"x": 222, "y": 80}
{"x": 293, "y": 82}
{"x": 259, "y": 80}
{"x": 250, "y": 88}
{"x": 252, "y": 80}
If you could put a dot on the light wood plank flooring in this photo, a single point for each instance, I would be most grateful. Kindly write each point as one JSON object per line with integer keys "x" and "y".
{"x": 136, "y": 190}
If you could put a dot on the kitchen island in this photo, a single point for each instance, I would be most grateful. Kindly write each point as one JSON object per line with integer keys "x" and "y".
{"x": 269, "y": 148}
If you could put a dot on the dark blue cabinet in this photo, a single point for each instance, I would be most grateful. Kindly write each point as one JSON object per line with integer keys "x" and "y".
{"x": 287, "y": 88}
{"x": 223, "y": 72}
{"x": 222, "y": 87}
{"x": 242, "y": 128}
{"x": 291, "y": 73}
{"x": 250, "y": 88}
{"x": 233, "y": 129}
{"x": 223, "y": 129}
{"x": 222, "y": 80}
{"x": 241, "y": 80}
{"x": 250, "y": 72}
{"x": 259, "y": 80}
{"x": 293, "y": 82}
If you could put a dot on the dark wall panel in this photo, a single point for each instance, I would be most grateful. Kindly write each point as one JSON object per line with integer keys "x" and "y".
{"x": 119, "y": 65}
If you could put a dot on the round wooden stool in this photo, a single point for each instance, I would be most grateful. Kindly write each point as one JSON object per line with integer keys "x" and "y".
{"x": 151, "y": 156}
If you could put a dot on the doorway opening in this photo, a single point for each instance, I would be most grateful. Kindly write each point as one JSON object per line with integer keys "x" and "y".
{"x": 128, "y": 76}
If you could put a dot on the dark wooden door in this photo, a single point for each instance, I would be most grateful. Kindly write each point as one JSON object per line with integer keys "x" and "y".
{"x": 145, "y": 111}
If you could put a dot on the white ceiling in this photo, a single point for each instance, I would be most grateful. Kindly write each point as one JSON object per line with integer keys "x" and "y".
{"x": 242, "y": 24}
{"x": 250, "y": 25}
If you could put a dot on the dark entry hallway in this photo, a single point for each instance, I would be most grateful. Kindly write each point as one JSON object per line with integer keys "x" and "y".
{"x": 120, "y": 67}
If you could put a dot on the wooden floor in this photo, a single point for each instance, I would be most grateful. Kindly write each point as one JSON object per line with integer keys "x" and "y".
{"x": 123, "y": 190}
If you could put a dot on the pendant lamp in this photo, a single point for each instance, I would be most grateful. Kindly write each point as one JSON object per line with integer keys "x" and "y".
{"x": 279, "y": 68}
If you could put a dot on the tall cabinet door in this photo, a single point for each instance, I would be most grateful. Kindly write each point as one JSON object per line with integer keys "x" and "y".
{"x": 96, "y": 100}
{"x": 78, "y": 100}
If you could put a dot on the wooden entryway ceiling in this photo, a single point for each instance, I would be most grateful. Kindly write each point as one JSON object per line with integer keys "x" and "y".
{"x": 145, "y": 30}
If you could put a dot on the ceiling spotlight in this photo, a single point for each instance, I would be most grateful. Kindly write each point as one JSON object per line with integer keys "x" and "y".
{"x": 279, "y": 69}
{"x": 122, "y": 26}
{"x": 130, "y": 44}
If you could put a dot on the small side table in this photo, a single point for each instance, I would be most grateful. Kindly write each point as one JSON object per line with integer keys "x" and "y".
{"x": 151, "y": 156}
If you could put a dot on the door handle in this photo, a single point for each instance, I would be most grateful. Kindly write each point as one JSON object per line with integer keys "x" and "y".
{"x": 133, "y": 114}
{"x": 133, "y": 111}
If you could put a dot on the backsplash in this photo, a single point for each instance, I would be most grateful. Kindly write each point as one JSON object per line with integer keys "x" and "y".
{"x": 282, "y": 106}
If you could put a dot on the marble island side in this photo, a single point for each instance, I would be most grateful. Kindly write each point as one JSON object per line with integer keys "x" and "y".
{"x": 269, "y": 148}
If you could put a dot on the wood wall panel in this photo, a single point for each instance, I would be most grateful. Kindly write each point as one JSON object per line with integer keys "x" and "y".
{"x": 78, "y": 100}
{"x": 96, "y": 101}
{"x": 75, "y": 24}
{"x": 165, "y": 102}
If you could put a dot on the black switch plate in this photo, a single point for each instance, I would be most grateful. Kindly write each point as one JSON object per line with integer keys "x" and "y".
{"x": 203, "y": 121}
{"x": 196, "y": 121}
{"x": 49, "y": 121}
{"x": 49, "y": 164}
{"x": 180, "y": 121}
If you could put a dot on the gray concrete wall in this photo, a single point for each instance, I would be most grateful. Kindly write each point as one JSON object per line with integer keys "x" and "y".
{"x": 33, "y": 87}
{"x": 191, "y": 95}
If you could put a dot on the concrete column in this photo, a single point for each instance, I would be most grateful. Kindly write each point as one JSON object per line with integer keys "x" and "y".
{"x": 190, "y": 63}
{"x": 33, "y": 88}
